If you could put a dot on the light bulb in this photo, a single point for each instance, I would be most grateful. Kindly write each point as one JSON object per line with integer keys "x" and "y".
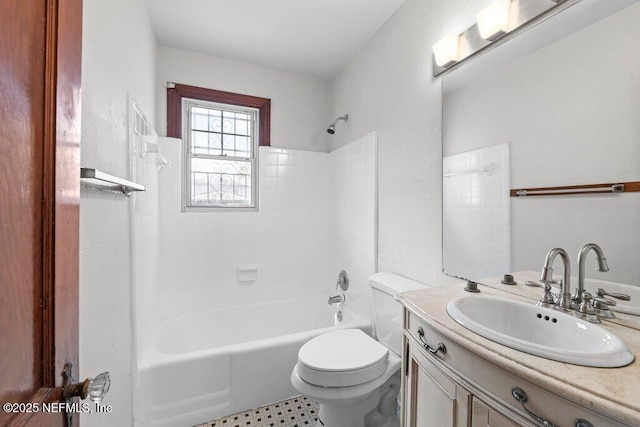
{"x": 446, "y": 50}
{"x": 493, "y": 20}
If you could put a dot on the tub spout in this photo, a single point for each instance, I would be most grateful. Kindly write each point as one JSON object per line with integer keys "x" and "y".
{"x": 337, "y": 299}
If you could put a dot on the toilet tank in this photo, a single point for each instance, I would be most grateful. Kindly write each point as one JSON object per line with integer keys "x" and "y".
{"x": 387, "y": 311}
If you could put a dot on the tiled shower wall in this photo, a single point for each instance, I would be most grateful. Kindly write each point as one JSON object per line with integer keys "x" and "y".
{"x": 287, "y": 240}
{"x": 316, "y": 217}
{"x": 353, "y": 216}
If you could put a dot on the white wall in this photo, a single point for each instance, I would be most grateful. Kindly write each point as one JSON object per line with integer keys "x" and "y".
{"x": 570, "y": 111}
{"x": 298, "y": 102}
{"x": 118, "y": 60}
{"x": 388, "y": 87}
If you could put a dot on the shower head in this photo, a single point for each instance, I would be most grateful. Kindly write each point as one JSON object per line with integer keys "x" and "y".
{"x": 332, "y": 127}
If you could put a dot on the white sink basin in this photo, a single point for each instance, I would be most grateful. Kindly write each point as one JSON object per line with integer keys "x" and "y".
{"x": 540, "y": 331}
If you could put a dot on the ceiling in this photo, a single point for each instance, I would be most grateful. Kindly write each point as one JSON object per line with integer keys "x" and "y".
{"x": 315, "y": 37}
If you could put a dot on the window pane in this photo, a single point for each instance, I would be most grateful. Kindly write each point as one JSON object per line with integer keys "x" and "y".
{"x": 215, "y": 144}
{"x": 220, "y": 183}
{"x": 242, "y": 127}
{"x": 243, "y": 116}
{"x": 215, "y": 121}
{"x": 228, "y": 144}
{"x": 242, "y": 147}
{"x": 227, "y": 122}
{"x": 200, "y": 121}
{"x": 199, "y": 142}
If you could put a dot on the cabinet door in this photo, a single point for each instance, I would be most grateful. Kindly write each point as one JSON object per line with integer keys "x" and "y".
{"x": 484, "y": 416}
{"x": 434, "y": 398}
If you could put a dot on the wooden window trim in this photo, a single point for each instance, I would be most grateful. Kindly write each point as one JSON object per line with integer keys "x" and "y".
{"x": 179, "y": 91}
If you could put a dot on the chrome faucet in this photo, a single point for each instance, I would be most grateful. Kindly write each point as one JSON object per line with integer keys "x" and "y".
{"x": 337, "y": 299}
{"x": 564, "y": 297}
{"x": 601, "y": 265}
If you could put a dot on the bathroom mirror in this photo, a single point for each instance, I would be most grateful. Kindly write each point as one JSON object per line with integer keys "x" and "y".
{"x": 568, "y": 113}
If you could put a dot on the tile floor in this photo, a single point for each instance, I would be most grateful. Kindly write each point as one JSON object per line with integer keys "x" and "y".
{"x": 295, "y": 412}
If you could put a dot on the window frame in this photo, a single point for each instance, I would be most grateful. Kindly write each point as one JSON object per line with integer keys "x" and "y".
{"x": 177, "y": 97}
{"x": 189, "y": 155}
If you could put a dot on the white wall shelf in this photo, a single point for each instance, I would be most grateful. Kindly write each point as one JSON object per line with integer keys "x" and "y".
{"x": 95, "y": 179}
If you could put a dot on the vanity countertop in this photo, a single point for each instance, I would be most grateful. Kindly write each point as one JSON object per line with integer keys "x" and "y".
{"x": 614, "y": 392}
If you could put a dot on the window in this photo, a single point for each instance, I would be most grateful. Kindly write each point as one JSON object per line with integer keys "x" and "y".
{"x": 221, "y": 132}
{"x": 220, "y": 155}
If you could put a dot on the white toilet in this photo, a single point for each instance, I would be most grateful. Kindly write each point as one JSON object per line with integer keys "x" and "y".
{"x": 355, "y": 378}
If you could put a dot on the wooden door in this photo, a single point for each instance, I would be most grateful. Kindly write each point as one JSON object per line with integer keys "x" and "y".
{"x": 40, "y": 47}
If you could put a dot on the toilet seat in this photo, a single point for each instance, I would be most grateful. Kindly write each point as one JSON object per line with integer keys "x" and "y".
{"x": 342, "y": 358}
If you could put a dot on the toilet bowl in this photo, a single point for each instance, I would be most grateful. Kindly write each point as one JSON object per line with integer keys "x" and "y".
{"x": 354, "y": 377}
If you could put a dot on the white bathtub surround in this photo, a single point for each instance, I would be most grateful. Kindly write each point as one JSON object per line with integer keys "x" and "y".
{"x": 287, "y": 240}
{"x": 212, "y": 363}
{"x": 317, "y": 216}
{"x": 353, "y": 216}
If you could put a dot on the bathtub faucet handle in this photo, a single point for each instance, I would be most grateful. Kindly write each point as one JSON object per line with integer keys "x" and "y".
{"x": 343, "y": 281}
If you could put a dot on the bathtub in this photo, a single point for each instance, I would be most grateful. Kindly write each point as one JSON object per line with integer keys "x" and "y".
{"x": 212, "y": 363}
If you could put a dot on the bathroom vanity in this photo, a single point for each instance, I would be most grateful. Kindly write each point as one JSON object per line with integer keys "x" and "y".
{"x": 454, "y": 377}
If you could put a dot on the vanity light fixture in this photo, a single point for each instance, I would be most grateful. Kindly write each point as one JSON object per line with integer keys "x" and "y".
{"x": 493, "y": 20}
{"x": 446, "y": 50}
{"x": 497, "y": 23}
